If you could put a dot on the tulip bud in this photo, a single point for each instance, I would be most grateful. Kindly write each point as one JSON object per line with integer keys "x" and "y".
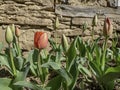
{"x": 40, "y": 40}
{"x": 13, "y": 29}
{"x": 17, "y": 31}
{"x": 8, "y": 35}
{"x": 95, "y": 20}
{"x": 65, "y": 43}
{"x": 107, "y": 28}
{"x": 56, "y": 23}
{"x": 84, "y": 26}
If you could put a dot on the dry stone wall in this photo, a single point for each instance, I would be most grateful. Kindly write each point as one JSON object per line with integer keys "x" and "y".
{"x": 39, "y": 15}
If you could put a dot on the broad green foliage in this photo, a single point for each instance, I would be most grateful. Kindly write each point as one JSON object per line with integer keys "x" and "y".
{"x": 63, "y": 65}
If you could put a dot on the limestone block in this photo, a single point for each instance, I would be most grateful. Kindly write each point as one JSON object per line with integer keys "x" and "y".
{"x": 112, "y": 3}
{"x": 102, "y": 3}
{"x": 29, "y": 3}
{"x": 81, "y": 21}
{"x": 2, "y": 36}
{"x": 43, "y": 2}
{"x": 8, "y": 2}
{"x": 33, "y": 7}
{"x": 67, "y": 32}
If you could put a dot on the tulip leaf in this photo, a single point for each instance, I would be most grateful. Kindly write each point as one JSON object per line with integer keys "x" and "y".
{"x": 19, "y": 62}
{"x": 21, "y": 75}
{"x": 32, "y": 58}
{"x": 56, "y": 80}
{"x": 52, "y": 65}
{"x": 62, "y": 72}
{"x": 5, "y": 61}
{"x": 5, "y": 81}
{"x": 81, "y": 47}
{"x": 2, "y": 87}
{"x": 111, "y": 74}
{"x": 95, "y": 68}
{"x": 71, "y": 54}
{"x": 53, "y": 44}
{"x": 74, "y": 73}
{"x": 65, "y": 75}
{"x": 84, "y": 70}
{"x": 28, "y": 85}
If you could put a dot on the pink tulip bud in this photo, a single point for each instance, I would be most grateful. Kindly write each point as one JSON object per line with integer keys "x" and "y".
{"x": 108, "y": 28}
{"x": 17, "y": 31}
{"x": 40, "y": 40}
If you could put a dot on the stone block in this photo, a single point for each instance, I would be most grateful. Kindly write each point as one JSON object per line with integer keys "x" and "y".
{"x": 2, "y": 36}
{"x": 67, "y": 32}
{"x": 29, "y": 3}
{"x": 112, "y": 3}
{"x": 81, "y": 21}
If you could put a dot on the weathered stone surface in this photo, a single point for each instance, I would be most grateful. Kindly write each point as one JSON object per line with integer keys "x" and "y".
{"x": 79, "y": 11}
{"x": 67, "y": 32}
{"x": 2, "y": 36}
{"x": 43, "y": 2}
{"x": 102, "y": 3}
{"x": 112, "y": 3}
{"x": 29, "y": 3}
{"x": 8, "y": 2}
{"x": 81, "y": 21}
{"x": 25, "y": 20}
{"x": 33, "y": 15}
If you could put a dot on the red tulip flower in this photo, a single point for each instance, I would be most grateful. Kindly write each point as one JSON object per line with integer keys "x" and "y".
{"x": 40, "y": 40}
{"x": 108, "y": 28}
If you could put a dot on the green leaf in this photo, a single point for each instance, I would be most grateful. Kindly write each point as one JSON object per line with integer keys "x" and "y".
{"x": 113, "y": 70}
{"x": 74, "y": 73}
{"x": 59, "y": 54}
{"x": 5, "y": 81}
{"x": 28, "y": 85}
{"x": 65, "y": 75}
{"x": 32, "y": 58}
{"x": 19, "y": 62}
{"x": 81, "y": 47}
{"x": 53, "y": 44}
{"x": 52, "y": 65}
{"x": 62, "y": 72}
{"x": 21, "y": 75}
{"x": 71, "y": 54}
{"x": 56, "y": 80}
{"x": 2, "y": 87}
{"x": 84, "y": 70}
{"x": 111, "y": 74}
{"x": 95, "y": 68}
{"x": 5, "y": 61}
{"x": 89, "y": 55}
{"x": 109, "y": 85}
{"x": 98, "y": 54}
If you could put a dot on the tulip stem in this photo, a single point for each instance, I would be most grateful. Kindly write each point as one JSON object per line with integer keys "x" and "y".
{"x": 18, "y": 47}
{"x": 93, "y": 33}
{"x": 12, "y": 62}
{"x": 104, "y": 52}
{"x": 40, "y": 70}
